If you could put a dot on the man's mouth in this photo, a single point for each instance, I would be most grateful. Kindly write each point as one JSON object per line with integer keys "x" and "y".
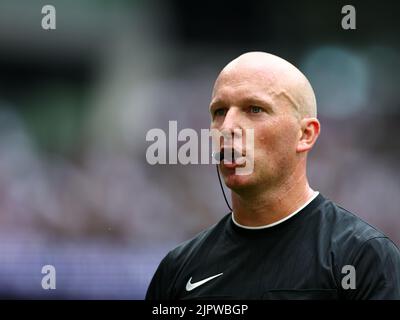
{"x": 231, "y": 158}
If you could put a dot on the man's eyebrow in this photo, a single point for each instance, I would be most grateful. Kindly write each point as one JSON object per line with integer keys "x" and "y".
{"x": 215, "y": 102}
{"x": 260, "y": 102}
{"x": 256, "y": 100}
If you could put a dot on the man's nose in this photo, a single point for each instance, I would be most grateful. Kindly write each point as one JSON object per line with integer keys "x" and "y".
{"x": 231, "y": 120}
{"x": 231, "y": 128}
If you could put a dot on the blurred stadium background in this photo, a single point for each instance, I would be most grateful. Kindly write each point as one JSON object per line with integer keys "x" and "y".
{"x": 76, "y": 104}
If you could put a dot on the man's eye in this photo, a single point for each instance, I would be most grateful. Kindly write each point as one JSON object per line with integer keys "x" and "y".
{"x": 219, "y": 112}
{"x": 255, "y": 109}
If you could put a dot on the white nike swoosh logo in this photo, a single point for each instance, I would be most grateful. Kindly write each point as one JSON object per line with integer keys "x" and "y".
{"x": 190, "y": 286}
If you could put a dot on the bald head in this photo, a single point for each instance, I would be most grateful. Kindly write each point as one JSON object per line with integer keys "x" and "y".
{"x": 279, "y": 78}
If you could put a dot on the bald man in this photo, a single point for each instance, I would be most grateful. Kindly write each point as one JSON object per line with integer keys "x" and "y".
{"x": 282, "y": 240}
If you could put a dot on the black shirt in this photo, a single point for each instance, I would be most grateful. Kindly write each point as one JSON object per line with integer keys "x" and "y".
{"x": 322, "y": 252}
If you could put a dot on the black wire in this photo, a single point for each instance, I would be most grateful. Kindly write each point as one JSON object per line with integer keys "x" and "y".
{"x": 223, "y": 192}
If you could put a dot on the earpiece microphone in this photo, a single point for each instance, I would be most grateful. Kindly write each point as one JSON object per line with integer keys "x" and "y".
{"x": 218, "y": 156}
{"x": 231, "y": 155}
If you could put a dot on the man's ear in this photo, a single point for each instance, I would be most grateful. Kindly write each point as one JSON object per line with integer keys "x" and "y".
{"x": 310, "y": 129}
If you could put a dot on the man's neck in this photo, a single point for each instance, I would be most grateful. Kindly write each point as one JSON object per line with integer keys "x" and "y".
{"x": 271, "y": 205}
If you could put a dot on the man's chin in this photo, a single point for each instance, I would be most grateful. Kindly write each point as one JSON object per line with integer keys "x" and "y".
{"x": 237, "y": 182}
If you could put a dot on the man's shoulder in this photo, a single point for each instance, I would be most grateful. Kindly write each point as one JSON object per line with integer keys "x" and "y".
{"x": 349, "y": 234}
{"x": 346, "y": 224}
{"x": 200, "y": 240}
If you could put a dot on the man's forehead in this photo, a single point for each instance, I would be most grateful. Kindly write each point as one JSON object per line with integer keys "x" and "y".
{"x": 242, "y": 79}
{"x": 268, "y": 75}
{"x": 244, "y": 90}
{"x": 240, "y": 96}
{"x": 250, "y": 86}
{"x": 248, "y": 83}
{"x": 260, "y": 67}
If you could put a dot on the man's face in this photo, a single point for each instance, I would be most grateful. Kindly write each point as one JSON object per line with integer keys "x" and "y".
{"x": 245, "y": 99}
